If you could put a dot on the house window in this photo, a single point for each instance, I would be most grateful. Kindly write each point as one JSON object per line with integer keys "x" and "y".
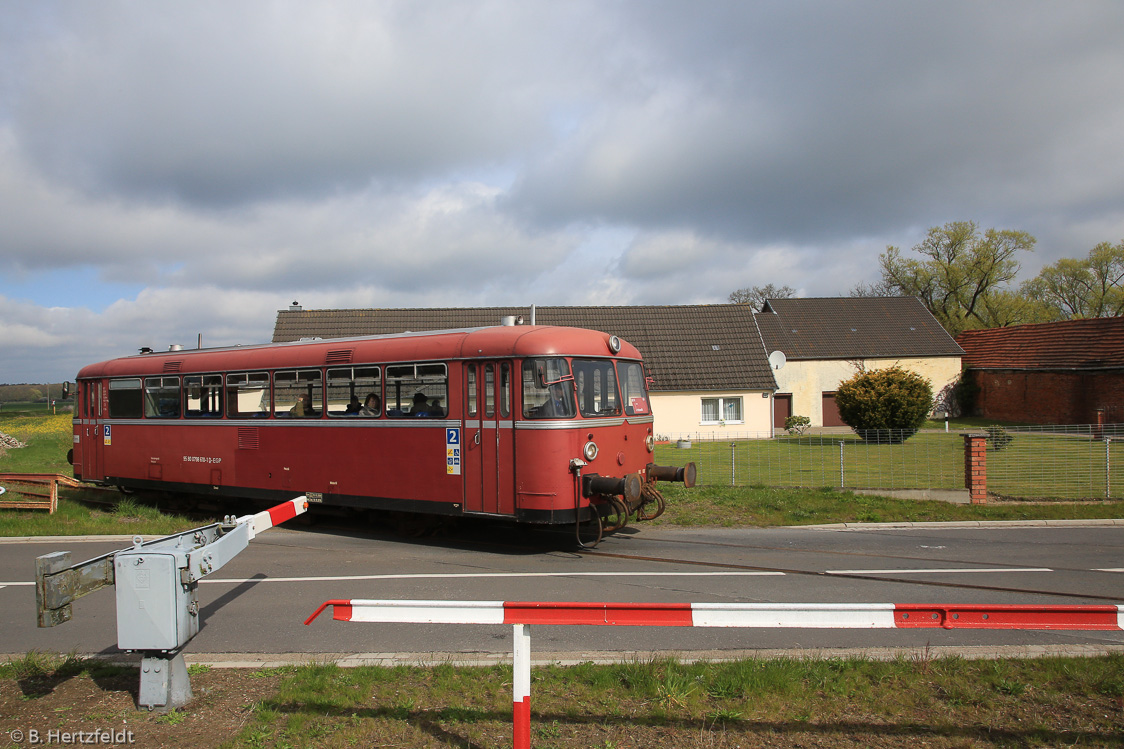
{"x": 717, "y": 410}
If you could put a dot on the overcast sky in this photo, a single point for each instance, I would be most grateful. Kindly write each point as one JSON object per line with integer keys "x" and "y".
{"x": 184, "y": 168}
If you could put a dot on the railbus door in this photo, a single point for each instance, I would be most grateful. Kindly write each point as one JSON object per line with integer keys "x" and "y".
{"x": 489, "y": 438}
{"x": 90, "y": 433}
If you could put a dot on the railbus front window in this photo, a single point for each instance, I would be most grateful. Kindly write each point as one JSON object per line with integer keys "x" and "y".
{"x": 247, "y": 395}
{"x": 350, "y": 391}
{"x": 202, "y": 396}
{"x": 548, "y": 389}
{"x": 417, "y": 391}
{"x": 634, "y": 388}
{"x": 162, "y": 397}
{"x": 298, "y": 394}
{"x": 125, "y": 398}
{"x": 597, "y": 387}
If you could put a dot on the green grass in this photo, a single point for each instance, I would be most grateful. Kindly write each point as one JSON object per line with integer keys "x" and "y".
{"x": 772, "y": 506}
{"x": 37, "y": 409}
{"x": 777, "y": 482}
{"x": 662, "y": 702}
{"x": 80, "y": 511}
{"x": 1032, "y": 466}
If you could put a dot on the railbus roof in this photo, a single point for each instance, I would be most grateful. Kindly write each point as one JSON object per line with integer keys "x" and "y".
{"x": 501, "y": 341}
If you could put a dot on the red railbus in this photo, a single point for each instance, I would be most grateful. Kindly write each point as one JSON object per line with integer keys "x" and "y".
{"x": 538, "y": 424}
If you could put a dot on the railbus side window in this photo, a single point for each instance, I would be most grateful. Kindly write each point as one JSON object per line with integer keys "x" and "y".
{"x": 202, "y": 396}
{"x": 247, "y": 395}
{"x": 489, "y": 391}
{"x": 548, "y": 389}
{"x": 298, "y": 394}
{"x": 126, "y": 400}
{"x": 471, "y": 390}
{"x": 162, "y": 397}
{"x": 350, "y": 388}
{"x": 597, "y": 387}
{"x": 634, "y": 388}
{"x": 417, "y": 391}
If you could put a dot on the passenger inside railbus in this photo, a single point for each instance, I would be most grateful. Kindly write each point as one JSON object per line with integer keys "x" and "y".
{"x": 302, "y": 409}
{"x": 372, "y": 406}
{"x": 353, "y": 406}
{"x": 421, "y": 407}
{"x": 435, "y": 410}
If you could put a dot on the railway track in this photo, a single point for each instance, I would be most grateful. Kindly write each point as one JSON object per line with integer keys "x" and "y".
{"x": 540, "y": 541}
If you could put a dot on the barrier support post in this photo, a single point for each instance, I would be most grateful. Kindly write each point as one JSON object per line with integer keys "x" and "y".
{"x": 521, "y": 687}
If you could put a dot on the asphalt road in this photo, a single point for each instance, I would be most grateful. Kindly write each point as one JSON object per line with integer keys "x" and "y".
{"x": 255, "y": 606}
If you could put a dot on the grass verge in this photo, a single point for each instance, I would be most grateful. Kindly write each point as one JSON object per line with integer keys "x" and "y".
{"x": 922, "y": 701}
{"x": 770, "y": 506}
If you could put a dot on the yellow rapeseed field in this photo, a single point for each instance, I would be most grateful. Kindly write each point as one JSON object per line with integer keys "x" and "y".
{"x": 25, "y": 427}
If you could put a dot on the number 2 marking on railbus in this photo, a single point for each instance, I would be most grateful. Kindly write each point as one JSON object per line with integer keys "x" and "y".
{"x": 453, "y": 451}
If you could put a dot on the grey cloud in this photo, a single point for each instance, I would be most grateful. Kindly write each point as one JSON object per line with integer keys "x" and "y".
{"x": 220, "y": 104}
{"x": 807, "y": 121}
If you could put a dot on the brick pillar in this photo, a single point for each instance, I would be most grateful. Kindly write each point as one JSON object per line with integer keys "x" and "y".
{"x": 975, "y": 467}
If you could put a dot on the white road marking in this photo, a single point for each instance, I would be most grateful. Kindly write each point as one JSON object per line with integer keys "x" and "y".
{"x": 935, "y": 570}
{"x": 485, "y": 575}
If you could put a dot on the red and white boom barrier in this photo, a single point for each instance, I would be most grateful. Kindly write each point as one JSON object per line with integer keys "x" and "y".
{"x": 521, "y": 614}
{"x": 276, "y": 515}
{"x": 778, "y": 615}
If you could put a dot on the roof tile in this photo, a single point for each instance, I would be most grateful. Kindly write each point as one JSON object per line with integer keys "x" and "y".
{"x": 1097, "y": 343}
{"x": 686, "y": 347}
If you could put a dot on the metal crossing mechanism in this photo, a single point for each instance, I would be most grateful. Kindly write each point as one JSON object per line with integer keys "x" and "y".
{"x": 522, "y": 614}
{"x": 157, "y": 593}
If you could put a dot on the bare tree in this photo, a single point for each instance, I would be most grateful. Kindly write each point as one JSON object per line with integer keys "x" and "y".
{"x": 755, "y": 296}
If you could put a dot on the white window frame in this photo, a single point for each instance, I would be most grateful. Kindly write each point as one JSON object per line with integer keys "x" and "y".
{"x": 722, "y": 402}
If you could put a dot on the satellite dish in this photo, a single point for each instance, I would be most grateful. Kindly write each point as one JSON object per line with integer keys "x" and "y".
{"x": 777, "y": 359}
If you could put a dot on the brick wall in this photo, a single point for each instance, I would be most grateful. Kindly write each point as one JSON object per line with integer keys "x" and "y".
{"x": 1049, "y": 397}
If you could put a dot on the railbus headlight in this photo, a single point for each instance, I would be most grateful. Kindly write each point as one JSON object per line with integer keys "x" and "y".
{"x": 590, "y": 450}
{"x": 650, "y": 443}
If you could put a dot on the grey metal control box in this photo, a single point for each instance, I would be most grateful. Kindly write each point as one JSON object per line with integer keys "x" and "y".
{"x": 155, "y": 609}
{"x": 157, "y": 602}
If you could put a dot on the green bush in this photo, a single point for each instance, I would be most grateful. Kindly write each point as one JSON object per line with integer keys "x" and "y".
{"x": 998, "y": 437}
{"x": 885, "y": 405}
{"x": 797, "y": 425}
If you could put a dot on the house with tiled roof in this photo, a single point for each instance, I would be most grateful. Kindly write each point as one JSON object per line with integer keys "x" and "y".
{"x": 1048, "y": 373}
{"x": 827, "y": 340}
{"x": 708, "y": 373}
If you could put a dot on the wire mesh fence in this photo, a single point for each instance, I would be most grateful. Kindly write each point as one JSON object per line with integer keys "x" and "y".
{"x": 1083, "y": 461}
{"x": 1048, "y": 462}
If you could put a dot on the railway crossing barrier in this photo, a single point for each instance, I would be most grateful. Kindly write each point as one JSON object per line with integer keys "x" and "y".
{"x": 521, "y": 615}
{"x": 156, "y": 584}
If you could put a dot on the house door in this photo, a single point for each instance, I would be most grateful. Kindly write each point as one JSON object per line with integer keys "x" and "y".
{"x": 489, "y": 450}
{"x": 782, "y": 409}
{"x": 831, "y": 416}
